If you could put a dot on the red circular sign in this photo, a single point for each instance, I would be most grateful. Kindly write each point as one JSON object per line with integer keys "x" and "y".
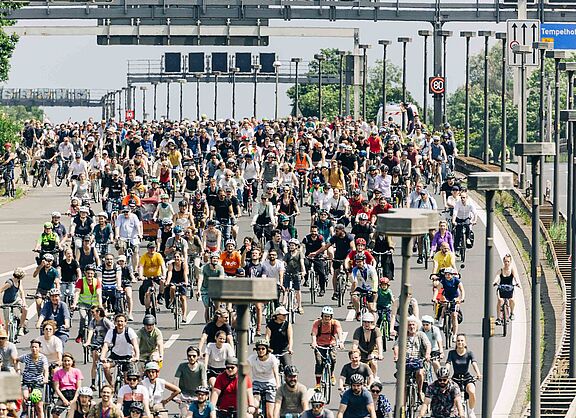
{"x": 436, "y": 85}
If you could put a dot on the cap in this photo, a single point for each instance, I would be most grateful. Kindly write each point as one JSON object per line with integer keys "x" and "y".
{"x": 115, "y": 173}
{"x": 427, "y": 319}
{"x": 232, "y": 361}
{"x": 280, "y": 310}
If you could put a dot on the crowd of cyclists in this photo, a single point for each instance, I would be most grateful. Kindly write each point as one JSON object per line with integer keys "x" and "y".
{"x": 155, "y": 213}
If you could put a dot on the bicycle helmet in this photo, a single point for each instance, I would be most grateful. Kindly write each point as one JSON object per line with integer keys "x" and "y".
{"x": 230, "y": 241}
{"x": 149, "y": 320}
{"x": 182, "y": 203}
{"x": 317, "y": 398}
{"x": 132, "y": 372}
{"x": 103, "y": 214}
{"x": 427, "y": 319}
{"x": 178, "y": 230}
{"x": 56, "y": 215}
{"x": 90, "y": 267}
{"x": 78, "y": 154}
{"x": 137, "y": 406}
{"x": 48, "y": 257}
{"x": 18, "y": 272}
{"x": 85, "y": 391}
{"x": 361, "y": 240}
{"x": 48, "y": 225}
{"x": 327, "y": 310}
{"x": 262, "y": 342}
{"x": 449, "y": 270}
{"x": 368, "y": 317}
{"x": 362, "y": 153}
{"x": 291, "y": 370}
{"x": 396, "y": 170}
{"x": 284, "y": 218}
{"x": 167, "y": 222}
{"x": 450, "y": 176}
{"x": 54, "y": 292}
{"x": 294, "y": 241}
{"x": 356, "y": 379}
{"x": 151, "y": 365}
{"x": 359, "y": 257}
{"x": 363, "y": 216}
{"x": 202, "y": 389}
{"x": 35, "y": 396}
{"x": 446, "y": 125}
{"x": 384, "y": 280}
{"x": 211, "y": 222}
{"x": 443, "y": 373}
{"x": 215, "y": 254}
{"x": 240, "y": 272}
{"x": 372, "y": 168}
{"x": 316, "y": 180}
{"x": 164, "y": 196}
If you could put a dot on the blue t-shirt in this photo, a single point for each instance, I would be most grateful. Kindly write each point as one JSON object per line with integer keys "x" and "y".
{"x": 196, "y": 413}
{"x": 450, "y": 288}
{"x": 356, "y": 405}
{"x": 46, "y": 278}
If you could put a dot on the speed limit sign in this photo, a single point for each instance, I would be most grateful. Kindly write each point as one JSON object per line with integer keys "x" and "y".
{"x": 436, "y": 85}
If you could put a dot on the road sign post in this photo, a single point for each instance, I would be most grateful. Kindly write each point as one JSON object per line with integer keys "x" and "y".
{"x": 436, "y": 85}
{"x": 129, "y": 114}
{"x": 522, "y": 32}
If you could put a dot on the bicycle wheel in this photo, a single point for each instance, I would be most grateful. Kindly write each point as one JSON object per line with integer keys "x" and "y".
{"x": 448, "y": 330}
{"x": 326, "y": 384}
{"x": 312, "y": 283}
{"x": 426, "y": 250}
{"x": 58, "y": 177}
{"x": 24, "y": 174}
{"x": 12, "y": 329}
{"x": 504, "y": 318}
{"x": 341, "y": 289}
{"x": 35, "y": 181}
{"x": 43, "y": 178}
{"x": 96, "y": 190}
{"x": 177, "y": 312}
{"x": 291, "y": 309}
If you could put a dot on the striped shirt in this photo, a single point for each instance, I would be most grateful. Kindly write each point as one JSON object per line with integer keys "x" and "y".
{"x": 33, "y": 371}
{"x": 108, "y": 276}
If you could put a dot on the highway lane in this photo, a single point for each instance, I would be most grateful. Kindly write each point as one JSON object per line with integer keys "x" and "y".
{"x": 27, "y": 215}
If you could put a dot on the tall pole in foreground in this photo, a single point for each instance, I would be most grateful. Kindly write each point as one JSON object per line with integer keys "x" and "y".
{"x": 216, "y": 75}
{"x": 489, "y": 183}
{"x": 296, "y": 61}
{"x": 404, "y": 41}
{"x": 320, "y": 58}
{"x": 486, "y": 153}
{"x": 277, "y": 65}
{"x": 182, "y": 81}
{"x": 521, "y": 51}
{"x": 503, "y": 133}
{"x": 445, "y": 34}
{"x": 233, "y": 71}
{"x": 467, "y": 35}
{"x": 155, "y": 100}
{"x": 557, "y": 56}
{"x": 143, "y": 90}
{"x": 535, "y": 150}
{"x": 425, "y": 34}
{"x": 198, "y": 77}
{"x": 364, "y": 48}
{"x": 256, "y": 68}
{"x": 341, "y": 54}
{"x": 384, "y": 44}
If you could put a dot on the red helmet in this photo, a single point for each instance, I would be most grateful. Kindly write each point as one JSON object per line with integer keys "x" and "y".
{"x": 361, "y": 241}
{"x": 384, "y": 280}
{"x": 7, "y": 145}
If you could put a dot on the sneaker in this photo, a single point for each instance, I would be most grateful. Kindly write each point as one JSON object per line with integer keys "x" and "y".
{"x": 468, "y": 241}
{"x": 50, "y": 185}
{"x": 130, "y": 318}
{"x": 334, "y": 296}
{"x": 453, "y": 338}
{"x": 420, "y": 260}
{"x": 78, "y": 339}
{"x": 471, "y": 413}
{"x": 300, "y": 310}
{"x": 333, "y": 380}
{"x": 305, "y": 284}
{"x": 498, "y": 321}
{"x": 511, "y": 317}
{"x": 321, "y": 293}
{"x": 160, "y": 299}
{"x": 21, "y": 332}
{"x": 415, "y": 248}
{"x": 317, "y": 387}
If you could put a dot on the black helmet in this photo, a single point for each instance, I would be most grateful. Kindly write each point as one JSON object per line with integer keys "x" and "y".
{"x": 149, "y": 320}
{"x": 396, "y": 170}
{"x": 443, "y": 373}
{"x": 137, "y": 406}
{"x": 356, "y": 379}
{"x": 291, "y": 370}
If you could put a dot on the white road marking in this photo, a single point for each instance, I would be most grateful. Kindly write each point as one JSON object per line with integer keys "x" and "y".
{"x": 344, "y": 336}
{"x": 31, "y": 311}
{"x": 8, "y": 222}
{"x": 351, "y": 315}
{"x": 171, "y": 341}
{"x": 516, "y": 355}
{"x": 9, "y": 273}
{"x": 190, "y": 316}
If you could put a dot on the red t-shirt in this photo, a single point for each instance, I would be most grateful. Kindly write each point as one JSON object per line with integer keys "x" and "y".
{"x": 375, "y": 144}
{"x": 80, "y": 285}
{"x": 355, "y": 205}
{"x": 228, "y": 389}
{"x": 378, "y": 209}
{"x": 352, "y": 254}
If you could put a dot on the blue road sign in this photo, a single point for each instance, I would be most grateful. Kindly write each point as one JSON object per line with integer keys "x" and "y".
{"x": 562, "y": 34}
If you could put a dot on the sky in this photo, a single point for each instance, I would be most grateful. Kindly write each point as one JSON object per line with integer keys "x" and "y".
{"x": 77, "y": 62}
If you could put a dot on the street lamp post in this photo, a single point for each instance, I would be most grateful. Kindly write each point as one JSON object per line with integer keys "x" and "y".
{"x": 570, "y": 68}
{"x": 486, "y": 154}
{"x": 277, "y": 65}
{"x": 168, "y": 100}
{"x": 242, "y": 292}
{"x": 296, "y": 61}
{"x": 342, "y": 54}
{"x": 467, "y": 35}
{"x": 445, "y": 34}
{"x": 489, "y": 182}
{"x": 182, "y": 81}
{"x": 385, "y": 43}
{"x": 405, "y": 223}
{"x": 143, "y": 90}
{"x": 364, "y": 48}
{"x": 233, "y": 71}
{"x": 503, "y": 139}
{"x": 542, "y": 47}
{"x": 255, "y": 67}
{"x": 569, "y": 116}
{"x": 535, "y": 150}
{"x": 404, "y": 41}
{"x": 425, "y": 34}
{"x": 557, "y": 56}
{"x": 155, "y": 85}
{"x": 216, "y": 74}
{"x": 320, "y": 58}
{"x": 522, "y": 50}
{"x": 119, "y": 93}
{"x": 198, "y": 77}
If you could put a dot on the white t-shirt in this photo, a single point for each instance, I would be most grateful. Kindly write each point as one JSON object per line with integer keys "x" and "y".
{"x": 155, "y": 391}
{"x": 127, "y": 394}
{"x": 122, "y": 347}
{"x": 216, "y": 357}
{"x": 66, "y": 150}
{"x": 263, "y": 371}
{"x": 273, "y": 271}
{"x": 338, "y": 204}
{"x": 51, "y": 348}
{"x": 76, "y": 168}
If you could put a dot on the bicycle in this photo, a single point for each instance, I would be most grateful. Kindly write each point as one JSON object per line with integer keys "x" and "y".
{"x": 62, "y": 172}
{"x": 23, "y": 157}
{"x": 247, "y": 195}
{"x": 425, "y": 249}
{"x": 384, "y": 316}
{"x": 289, "y": 300}
{"x": 176, "y": 307}
{"x": 95, "y": 186}
{"x": 380, "y": 265}
{"x": 462, "y": 382}
{"x": 13, "y": 322}
{"x": 341, "y": 284}
{"x": 505, "y": 306}
{"x": 260, "y": 397}
{"x": 83, "y": 330}
{"x": 313, "y": 282}
{"x": 460, "y": 243}
{"x": 362, "y": 296}
{"x": 6, "y": 175}
{"x": 253, "y": 324}
{"x": 447, "y": 315}
{"x": 326, "y": 375}
{"x": 41, "y": 176}
{"x": 412, "y": 395}
{"x": 121, "y": 368}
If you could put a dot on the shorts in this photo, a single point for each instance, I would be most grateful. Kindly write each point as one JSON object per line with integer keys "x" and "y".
{"x": 291, "y": 277}
{"x": 370, "y": 296}
{"x": 214, "y": 371}
{"x": 414, "y": 364}
{"x": 463, "y": 379}
{"x": 269, "y": 388}
{"x": 42, "y": 292}
{"x": 336, "y": 264}
{"x": 114, "y": 356}
{"x": 205, "y": 298}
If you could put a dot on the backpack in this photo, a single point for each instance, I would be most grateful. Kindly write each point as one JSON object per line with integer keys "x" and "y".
{"x": 126, "y": 335}
{"x": 332, "y": 327}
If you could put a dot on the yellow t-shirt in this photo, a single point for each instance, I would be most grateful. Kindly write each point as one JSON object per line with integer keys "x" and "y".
{"x": 444, "y": 260}
{"x": 152, "y": 266}
{"x": 175, "y": 158}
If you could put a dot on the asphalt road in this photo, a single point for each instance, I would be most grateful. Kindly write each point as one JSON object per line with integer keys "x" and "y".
{"x": 21, "y": 224}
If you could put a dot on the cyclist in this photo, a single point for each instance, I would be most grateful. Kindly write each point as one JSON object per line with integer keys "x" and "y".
{"x": 201, "y": 407}
{"x": 87, "y": 254}
{"x": 368, "y": 339}
{"x": 133, "y": 392}
{"x": 460, "y": 360}
{"x": 58, "y": 311}
{"x": 264, "y": 218}
{"x": 418, "y": 350}
{"x": 354, "y": 367}
{"x": 152, "y": 269}
{"x": 218, "y": 323}
{"x": 216, "y": 355}
{"x": 287, "y": 231}
{"x": 127, "y": 275}
{"x": 188, "y": 377}
{"x": 291, "y": 396}
{"x": 265, "y": 376}
{"x": 77, "y": 167}
{"x": 362, "y": 228}
{"x": 111, "y": 276}
{"x": 274, "y": 267}
{"x": 13, "y": 295}
{"x": 150, "y": 341}
{"x": 384, "y": 301}
{"x": 447, "y": 186}
{"x": 122, "y": 342}
{"x": 222, "y": 211}
{"x": 339, "y": 207}
{"x": 441, "y": 236}
{"x": 356, "y": 402}
{"x": 313, "y": 242}
{"x": 102, "y": 234}
{"x": 317, "y": 410}
{"x": 453, "y": 291}
{"x": 58, "y": 226}
{"x": 164, "y": 209}
{"x": 158, "y": 388}
{"x": 464, "y": 215}
{"x": 364, "y": 280}
{"x": 8, "y": 160}
{"x": 506, "y": 279}
{"x": 326, "y": 334}
{"x": 98, "y": 327}
{"x": 164, "y": 232}
{"x": 177, "y": 282}
{"x": 224, "y": 392}
{"x": 87, "y": 293}
{"x": 48, "y": 243}
{"x": 343, "y": 243}
{"x": 211, "y": 269}
{"x": 53, "y": 347}
{"x": 67, "y": 382}
{"x": 81, "y": 406}
{"x": 443, "y": 397}
{"x": 294, "y": 271}
{"x": 33, "y": 368}
{"x": 128, "y": 231}
{"x": 112, "y": 193}
{"x": 175, "y": 243}
{"x": 444, "y": 258}
{"x": 106, "y": 406}
{"x": 325, "y": 224}
{"x": 350, "y": 261}
{"x": 212, "y": 237}
{"x": 230, "y": 259}
{"x": 436, "y": 342}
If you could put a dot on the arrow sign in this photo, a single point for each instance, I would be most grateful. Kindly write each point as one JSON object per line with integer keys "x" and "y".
{"x": 522, "y": 32}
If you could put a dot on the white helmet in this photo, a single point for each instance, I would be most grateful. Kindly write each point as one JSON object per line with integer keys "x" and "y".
{"x": 294, "y": 241}
{"x": 368, "y": 317}
{"x": 327, "y": 310}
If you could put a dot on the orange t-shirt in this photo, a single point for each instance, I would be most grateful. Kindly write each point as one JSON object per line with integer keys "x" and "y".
{"x": 326, "y": 336}
{"x": 230, "y": 262}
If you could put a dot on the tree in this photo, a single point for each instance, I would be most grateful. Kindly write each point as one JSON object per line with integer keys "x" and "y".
{"x": 7, "y": 42}
{"x": 308, "y": 93}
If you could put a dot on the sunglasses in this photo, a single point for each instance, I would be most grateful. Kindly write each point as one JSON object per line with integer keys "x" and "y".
{"x": 317, "y": 405}
{"x": 230, "y": 367}
{"x": 442, "y": 380}
{"x": 132, "y": 379}
{"x": 375, "y": 391}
